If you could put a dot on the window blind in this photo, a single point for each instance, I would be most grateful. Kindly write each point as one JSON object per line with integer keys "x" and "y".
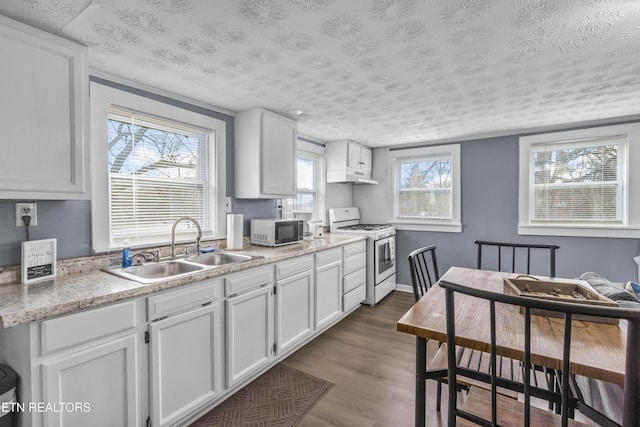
{"x": 578, "y": 181}
{"x": 306, "y": 198}
{"x": 158, "y": 171}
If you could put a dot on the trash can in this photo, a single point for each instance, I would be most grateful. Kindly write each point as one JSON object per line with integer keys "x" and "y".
{"x": 8, "y": 398}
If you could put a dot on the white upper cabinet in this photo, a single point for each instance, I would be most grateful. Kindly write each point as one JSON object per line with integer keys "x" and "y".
{"x": 359, "y": 157}
{"x": 44, "y": 110}
{"x": 265, "y": 155}
{"x": 348, "y": 161}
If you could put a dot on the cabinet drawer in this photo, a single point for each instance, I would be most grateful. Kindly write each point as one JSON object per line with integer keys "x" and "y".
{"x": 294, "y": 266}
{"x": 328, "y": 256}
{"x": 355, "y": 279}
{"x": 76, "y": 329}
{"x": 181, "y": 300}
{"x": 247, "y": 280}
{"x": 354, "y": 297}
{"x": 355, "y": 248}
{"x": 354, "y": 262}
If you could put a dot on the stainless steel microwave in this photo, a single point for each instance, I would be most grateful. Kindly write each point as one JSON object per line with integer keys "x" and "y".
{"x": 276, "y": 232}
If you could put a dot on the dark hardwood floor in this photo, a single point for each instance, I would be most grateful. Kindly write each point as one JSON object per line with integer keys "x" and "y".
{"x": 372, "y": 367}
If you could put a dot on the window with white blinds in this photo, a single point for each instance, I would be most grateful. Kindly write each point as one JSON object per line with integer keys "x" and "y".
{"x": 159, "y": 171}
{"x": 310, "y": 193}
{"x": 306, "y": 197}
{"x": 578, "y": 181}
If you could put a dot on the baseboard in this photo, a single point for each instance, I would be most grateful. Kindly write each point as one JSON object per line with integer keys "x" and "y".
{"x": 404, "y": 288}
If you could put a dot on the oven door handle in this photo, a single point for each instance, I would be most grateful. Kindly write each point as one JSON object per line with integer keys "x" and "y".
{"x": 387, "y": 252}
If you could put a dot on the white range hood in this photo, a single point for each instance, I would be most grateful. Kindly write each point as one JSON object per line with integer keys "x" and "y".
{"x": 347, "y": 175}
{"x": 364, "y": 181}
{"x": 360, "y": 179}
{"x": 349, "y": 161}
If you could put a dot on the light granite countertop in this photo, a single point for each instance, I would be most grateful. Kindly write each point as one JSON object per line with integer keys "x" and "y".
{"x": 80, "y": 284}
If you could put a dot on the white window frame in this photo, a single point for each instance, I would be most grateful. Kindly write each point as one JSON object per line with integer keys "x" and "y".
{"x": 317, "y": 153}
{"x": 628, "y": 227}
{"x": 450, "y": 225}
{"x": 100, "y": 98}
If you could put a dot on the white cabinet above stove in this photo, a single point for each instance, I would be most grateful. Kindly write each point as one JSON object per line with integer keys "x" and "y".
{"x": 348, "y": 161}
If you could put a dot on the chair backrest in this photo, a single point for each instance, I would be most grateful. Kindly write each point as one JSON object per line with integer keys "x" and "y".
{"x": 424, "y": 270}
{"x": 517, "y": 257}
{"x": 528, "y": 304}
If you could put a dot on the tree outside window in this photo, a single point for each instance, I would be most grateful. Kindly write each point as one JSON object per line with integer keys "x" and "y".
{"x": 577, "y": 183}
{"x": 157, "y": 173}
{"x": 425, "y": 188}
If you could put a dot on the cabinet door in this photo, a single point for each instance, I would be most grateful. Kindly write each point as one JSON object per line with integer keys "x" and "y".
{"x": 43, "y": 105}
{"x": 185, "y": 363}
{"x": 328, "y": 293}
{"x": 366, "y": 159}
{"x": 249, "y": 327}
{"x": 278, "y": 156}
{"x": 102, "y": 380}
{"x": 353, "y": 159}
{"x": 294, "y": 310}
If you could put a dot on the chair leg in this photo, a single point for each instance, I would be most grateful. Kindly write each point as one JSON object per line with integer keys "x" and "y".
{"x": 552, "y": 387}
{"x": 439, "y": 396}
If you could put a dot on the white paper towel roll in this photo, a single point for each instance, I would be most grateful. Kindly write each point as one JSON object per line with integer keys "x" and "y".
{"x": 234, "y": 231}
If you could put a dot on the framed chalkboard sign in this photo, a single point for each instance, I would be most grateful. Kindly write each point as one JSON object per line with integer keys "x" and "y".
{"x": 38, "y": 260}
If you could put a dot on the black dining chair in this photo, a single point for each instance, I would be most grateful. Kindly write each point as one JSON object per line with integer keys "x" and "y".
{"x": 517, "y": 257}
{"x": 526, "y": 258}
{"x": 488, "y": 407}
{"x": 423, "y": 264}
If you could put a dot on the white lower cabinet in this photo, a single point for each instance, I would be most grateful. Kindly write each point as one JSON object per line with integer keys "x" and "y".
{"x": 185, "y": 356}
{"x": 249, "y": 323}
{"x": 328, "y": 277}
{"x": 294, "y": 302}
{"x": 100, "y": 382}
{"x": 355, "y": 275}
{"x": 185, "y": 363}
{"x": 90, "y": 369}
{"x": 164, "y": 359}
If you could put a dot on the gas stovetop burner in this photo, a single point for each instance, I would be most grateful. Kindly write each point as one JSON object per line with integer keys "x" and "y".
{"x": 365, "y": 227}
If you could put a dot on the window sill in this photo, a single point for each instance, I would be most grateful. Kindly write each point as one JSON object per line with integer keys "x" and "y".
{"x": 621, "y": 232}
{"x": 427, "y": 226}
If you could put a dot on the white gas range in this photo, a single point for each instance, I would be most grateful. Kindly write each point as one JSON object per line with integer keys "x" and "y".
{"x": 381, "y": 249}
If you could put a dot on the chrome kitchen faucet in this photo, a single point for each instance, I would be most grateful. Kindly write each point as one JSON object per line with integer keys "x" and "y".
{"x": 173, "y": 235}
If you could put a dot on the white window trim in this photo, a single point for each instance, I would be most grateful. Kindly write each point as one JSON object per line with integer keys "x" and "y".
{"x": 630, "y": 228}
{"x": 453, "y": 225}
{"x": 318, "y": 152}
{"x": 100, "y": 97}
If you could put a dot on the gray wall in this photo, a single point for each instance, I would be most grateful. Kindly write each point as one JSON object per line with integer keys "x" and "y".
{"x": 68, "y": 221}
{"x": 490, "y": 212}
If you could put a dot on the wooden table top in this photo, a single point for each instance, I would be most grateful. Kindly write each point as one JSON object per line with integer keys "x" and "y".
{"x": 597, "y": 350}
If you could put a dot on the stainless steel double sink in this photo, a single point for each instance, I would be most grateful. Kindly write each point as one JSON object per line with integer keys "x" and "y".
{"x": 173, "y": 268}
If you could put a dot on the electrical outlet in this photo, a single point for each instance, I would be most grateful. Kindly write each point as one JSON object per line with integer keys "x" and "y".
{"x": 23, "y": 209}
{"x": 227, "y": 204}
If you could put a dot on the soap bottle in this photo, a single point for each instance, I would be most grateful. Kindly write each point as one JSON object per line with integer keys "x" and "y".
{"x": 126, "y": 254}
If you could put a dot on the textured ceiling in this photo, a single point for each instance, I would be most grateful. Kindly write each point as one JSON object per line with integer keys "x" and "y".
{"x": 382, "y": 72}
